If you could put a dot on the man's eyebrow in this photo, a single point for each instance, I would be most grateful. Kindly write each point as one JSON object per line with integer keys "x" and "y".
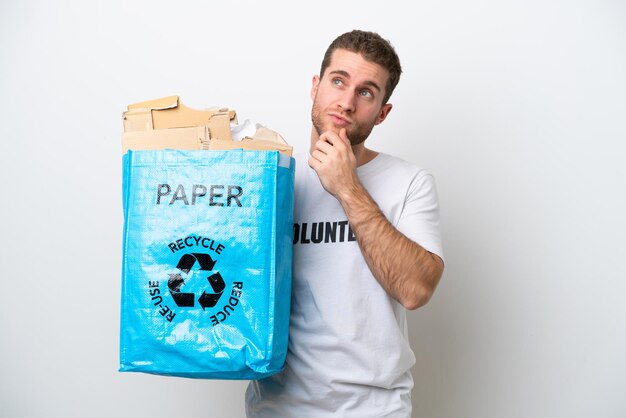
{"x": 347, "y": 75}
{"x": 340, "y": 72}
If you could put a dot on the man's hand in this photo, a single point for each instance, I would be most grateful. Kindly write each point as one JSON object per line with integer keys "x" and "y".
{"x": 334, "y": 162}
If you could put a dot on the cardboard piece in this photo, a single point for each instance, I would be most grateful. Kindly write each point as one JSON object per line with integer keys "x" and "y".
{"x": 167, "y": 123}
{"x": 251, "y": 144}
{"x": 169, "y": 112}
{"x": 176, "y": 138}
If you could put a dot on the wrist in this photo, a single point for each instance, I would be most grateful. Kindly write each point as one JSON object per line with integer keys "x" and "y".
{"x": 355, "y": 200}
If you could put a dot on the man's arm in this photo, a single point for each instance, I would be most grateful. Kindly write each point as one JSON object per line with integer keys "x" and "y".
{"x": 407, "y": 271}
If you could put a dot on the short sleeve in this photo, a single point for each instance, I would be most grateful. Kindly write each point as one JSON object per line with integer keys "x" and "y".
{"x": 419, "y": 219}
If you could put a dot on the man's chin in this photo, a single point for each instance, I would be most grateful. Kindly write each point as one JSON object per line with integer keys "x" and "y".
{"x": 334, "y": 129}
{"x": 354, "y": 138}
{"x": 327, "y": 128}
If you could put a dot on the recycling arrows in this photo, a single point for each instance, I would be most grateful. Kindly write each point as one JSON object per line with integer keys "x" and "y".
{"x": 182, "y": 299}
{"x": 209, "y": 300}
{"x": 176, "y": 281}
{"x": 187, "y": 261}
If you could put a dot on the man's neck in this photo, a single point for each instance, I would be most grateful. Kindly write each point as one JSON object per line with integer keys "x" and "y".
{"x": 363, "y": 155}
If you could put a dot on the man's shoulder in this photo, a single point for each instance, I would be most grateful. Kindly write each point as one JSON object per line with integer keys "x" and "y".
{"x": 396, "y": 165}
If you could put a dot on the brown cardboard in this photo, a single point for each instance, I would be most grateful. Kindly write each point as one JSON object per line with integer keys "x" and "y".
{"x": 169, "y": 112}
{"x": 264, "y": 139}
{"x": 167, "y": 123}
{"x": 251, "y": 144}
{"x": 194, "y": 138}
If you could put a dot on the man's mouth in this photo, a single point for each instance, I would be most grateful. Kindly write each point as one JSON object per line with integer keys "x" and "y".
{"x": 339, "y": 120}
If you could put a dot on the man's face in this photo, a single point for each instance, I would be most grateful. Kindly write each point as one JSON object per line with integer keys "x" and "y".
{"x": 349, "y": 95}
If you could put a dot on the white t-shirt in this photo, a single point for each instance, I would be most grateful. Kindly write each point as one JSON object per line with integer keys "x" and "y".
{"x": 349, "y": 353}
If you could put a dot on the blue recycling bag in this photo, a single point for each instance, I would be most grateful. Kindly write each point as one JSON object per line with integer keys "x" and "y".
{"x": 206, "y": 266}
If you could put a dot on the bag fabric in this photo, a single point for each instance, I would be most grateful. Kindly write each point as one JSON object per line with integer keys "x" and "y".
{"x": 206, "y": 268}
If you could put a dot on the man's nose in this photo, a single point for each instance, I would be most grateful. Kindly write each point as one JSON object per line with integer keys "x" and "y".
{"x": 347, "y": 100}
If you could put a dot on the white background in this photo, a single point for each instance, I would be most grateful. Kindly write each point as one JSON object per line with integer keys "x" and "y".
{"x": 517, "y": 107}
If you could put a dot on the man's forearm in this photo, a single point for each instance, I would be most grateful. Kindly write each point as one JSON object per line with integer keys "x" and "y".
{"x": 407, "y": 271}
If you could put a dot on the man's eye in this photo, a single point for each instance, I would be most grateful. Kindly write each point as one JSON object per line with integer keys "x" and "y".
{"x": 337, "y": 82}
{"x": 365, "y": 93}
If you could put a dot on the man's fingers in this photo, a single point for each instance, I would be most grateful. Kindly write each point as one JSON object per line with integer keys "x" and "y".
{"x": 315, "y": 163}
{"x": 318, "y": 155}
{"x": 337, "y": 138}
{"x": 330, "y": 137}
{"x": 344, "y": 136}
{"x": 323, "y": 146}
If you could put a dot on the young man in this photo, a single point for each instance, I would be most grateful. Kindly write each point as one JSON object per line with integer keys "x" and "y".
{"x": 366, "y": 248}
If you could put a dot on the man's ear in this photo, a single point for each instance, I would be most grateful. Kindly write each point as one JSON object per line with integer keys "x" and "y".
{"x": 384, "y": 111}
{"x": 314, "y": 85}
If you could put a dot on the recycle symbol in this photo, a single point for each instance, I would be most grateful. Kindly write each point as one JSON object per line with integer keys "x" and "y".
{"x": 176, "y": 281}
